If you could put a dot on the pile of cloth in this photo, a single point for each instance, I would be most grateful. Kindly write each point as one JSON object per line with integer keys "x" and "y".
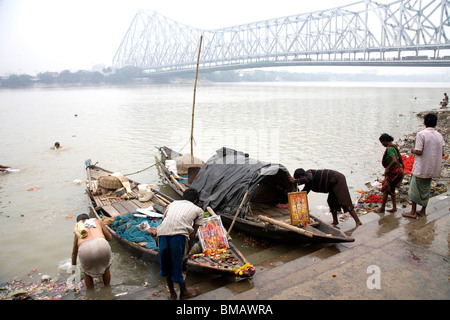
{"x": 127, "y": 227}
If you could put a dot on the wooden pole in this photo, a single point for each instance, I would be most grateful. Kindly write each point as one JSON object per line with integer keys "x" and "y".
{"x": 193, "y": 106}
{"x": 286, "y": 226}
{"x": 179, "y": 185}
{"x": 238, "y": 210}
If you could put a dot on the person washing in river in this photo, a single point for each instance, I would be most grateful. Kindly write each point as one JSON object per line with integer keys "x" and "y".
{"x": 428, "y": 151}
{"x": 176, "y": 235}
{"x": 393, "y": 173}
{"x": 57, "y": 145}
{"x": 444, "y": 102}
{"x": 331, "y": 182}
{"x": 91, "y": 246}
{"x": 4, "y": 168}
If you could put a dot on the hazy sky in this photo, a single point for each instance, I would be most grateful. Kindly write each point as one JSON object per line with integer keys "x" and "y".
{"x": 55, "y": 35}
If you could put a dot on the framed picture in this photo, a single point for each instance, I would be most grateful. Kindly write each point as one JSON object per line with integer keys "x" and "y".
{"x": 212, "y": 235}
{"x": 298, "y": 208}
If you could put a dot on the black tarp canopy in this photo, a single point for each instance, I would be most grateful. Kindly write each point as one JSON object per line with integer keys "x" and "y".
{"x": 226, "y": 176}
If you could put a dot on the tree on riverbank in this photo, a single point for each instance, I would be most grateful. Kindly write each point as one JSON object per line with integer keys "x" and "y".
{"x": 17, "y": 81}
{"x": 124, "y": 75}
{"x": 130, "y": 74}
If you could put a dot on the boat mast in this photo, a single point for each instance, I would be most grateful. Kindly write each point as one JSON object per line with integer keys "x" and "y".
{"x": 193, "y": 106}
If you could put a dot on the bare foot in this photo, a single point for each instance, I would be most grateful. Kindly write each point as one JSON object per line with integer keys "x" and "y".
{"x": 392, "y": 210}
{"x": 172, "y": 296}
{"x": 379, "y": 210}
{"x": 189, "y": 293}
{"x": 421, "y": 213}
{"x": 409, "y": 215}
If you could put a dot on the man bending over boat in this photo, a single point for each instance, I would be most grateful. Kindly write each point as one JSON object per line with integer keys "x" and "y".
{"x": 176, "y": 235}
{"x": 331, "y": 182}
{"x": 91, "y": 245}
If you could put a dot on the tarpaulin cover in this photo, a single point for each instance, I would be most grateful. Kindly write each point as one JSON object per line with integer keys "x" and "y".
{"x": 227, "y": 175}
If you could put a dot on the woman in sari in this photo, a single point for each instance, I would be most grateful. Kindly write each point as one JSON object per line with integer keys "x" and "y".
{"x": 393, "y": 174}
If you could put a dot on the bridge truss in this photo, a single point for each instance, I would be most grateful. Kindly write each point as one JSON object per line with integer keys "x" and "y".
{"x": 365, "y": 32}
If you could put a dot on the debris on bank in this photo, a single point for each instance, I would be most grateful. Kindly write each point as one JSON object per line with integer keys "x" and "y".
{"x": 39, "y": 287}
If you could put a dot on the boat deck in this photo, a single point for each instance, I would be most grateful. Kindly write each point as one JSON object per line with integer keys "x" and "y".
{"x": 268, "y": 211}
{"x": 115, "y": 206}
{"x": 279, "y": 214}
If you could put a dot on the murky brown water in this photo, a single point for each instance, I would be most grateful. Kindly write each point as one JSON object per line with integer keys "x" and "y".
{"x": 299, "y": 125}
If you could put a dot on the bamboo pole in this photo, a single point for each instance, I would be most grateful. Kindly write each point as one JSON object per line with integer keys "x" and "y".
{"x": 238, "y": 210}
{"x": 162, "y": 199}
{"x": 286, "y": 226}
{"x": 179, "y": 185}
{"x": 193, "y": 105}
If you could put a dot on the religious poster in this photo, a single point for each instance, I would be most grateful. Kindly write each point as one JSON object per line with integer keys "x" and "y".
{"x": 298, "y": 208}
{"x": 212, "y": 235}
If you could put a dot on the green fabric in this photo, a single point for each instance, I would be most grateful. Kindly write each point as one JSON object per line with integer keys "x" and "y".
{"x": 390, "y": 151}
{"x": 419, "y": 190}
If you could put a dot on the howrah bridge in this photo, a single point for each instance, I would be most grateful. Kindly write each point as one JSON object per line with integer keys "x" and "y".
{"x": 365, "y": 33}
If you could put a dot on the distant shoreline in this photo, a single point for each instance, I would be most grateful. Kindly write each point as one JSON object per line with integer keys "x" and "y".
{"x": 424, "y": 84}
{"x": 135, "y": 76}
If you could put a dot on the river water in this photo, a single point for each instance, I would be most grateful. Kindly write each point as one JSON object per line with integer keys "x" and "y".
{"x": 309, "y": 125}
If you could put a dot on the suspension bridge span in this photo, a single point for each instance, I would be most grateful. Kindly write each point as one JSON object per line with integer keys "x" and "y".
{"x": 364, "y": 33}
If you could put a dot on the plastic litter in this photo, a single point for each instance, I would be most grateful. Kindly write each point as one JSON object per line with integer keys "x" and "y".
{"x": 143, "y": 226}
{"x": 44, "y": 288}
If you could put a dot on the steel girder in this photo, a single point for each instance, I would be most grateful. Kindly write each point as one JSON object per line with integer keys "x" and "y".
{"x": 360, "y": 31}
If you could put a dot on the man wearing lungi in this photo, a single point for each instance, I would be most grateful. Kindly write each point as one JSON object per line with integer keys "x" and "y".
{"x": 428, "y": 151}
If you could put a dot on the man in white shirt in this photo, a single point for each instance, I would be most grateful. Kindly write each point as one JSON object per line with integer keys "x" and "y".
{"x": 176, "y": 235}
{"x": 428, "y": 151}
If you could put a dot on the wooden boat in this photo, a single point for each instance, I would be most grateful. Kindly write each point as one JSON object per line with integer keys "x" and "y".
{"x": 247, "y": 194}
{"x": 109, "y": 206}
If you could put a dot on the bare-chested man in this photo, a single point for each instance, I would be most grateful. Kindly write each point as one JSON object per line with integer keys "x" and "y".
{"x": 91, "y": 245}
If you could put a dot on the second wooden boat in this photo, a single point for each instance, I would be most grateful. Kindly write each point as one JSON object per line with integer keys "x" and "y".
{"x": 249, "y": 195}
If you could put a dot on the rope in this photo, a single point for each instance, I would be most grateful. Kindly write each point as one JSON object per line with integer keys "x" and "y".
{"x": 195, "y": 142}
{"x": 129, "y": 174}
{"x": 183, "y": 146}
